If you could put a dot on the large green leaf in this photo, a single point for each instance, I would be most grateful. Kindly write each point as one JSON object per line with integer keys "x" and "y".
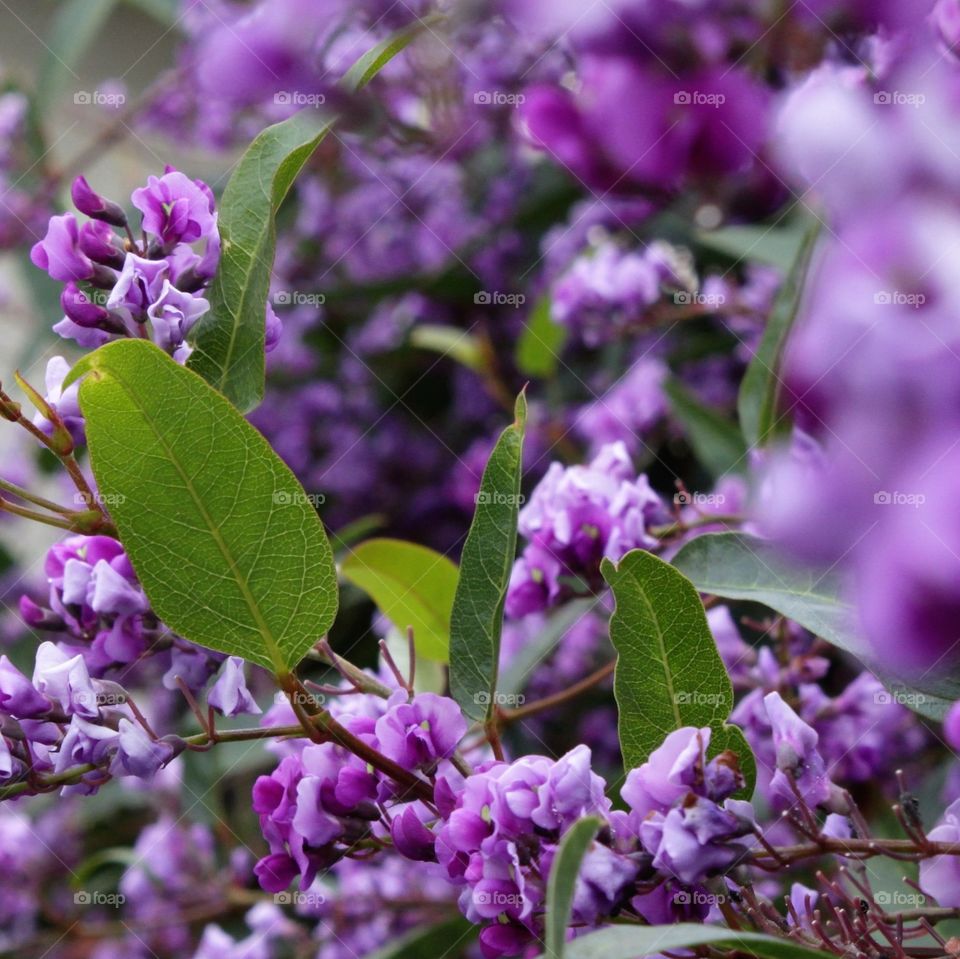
{"x": 740, "y": 567}
{"x": 227, "y": 545}
{"x": 716, "y": 441}
{"x": 638, "y": 942}
{"x": 412, "y": 585}
{"x": 737, "y": 566}
{"x": 229, "y": 339}
{"x": 759, "y": 399}
{"x": 562, "y": 883}
{"x": 669, "y": 673}
{"x": 485, "y": 566}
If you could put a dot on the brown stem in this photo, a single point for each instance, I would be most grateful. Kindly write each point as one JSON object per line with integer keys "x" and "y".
{"x": 506, "y": 716}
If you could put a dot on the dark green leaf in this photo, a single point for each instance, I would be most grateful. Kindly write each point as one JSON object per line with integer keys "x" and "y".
{"x": 485, "y": 566}
{"x": 412, "y": 585}
{"x": 446, "y": 940}
{"x": 229, "y": 339}
{"x": 541, "y": 342}
{"x": 759, "y": 400}
{"x": 373, "y": 61}
{"x": 669, "y": 672}
{"x": 562, "y": 883}
{"x": 226, "y": 543}
{"x": 716, "y": 441}
{"x": 637, "y": 942}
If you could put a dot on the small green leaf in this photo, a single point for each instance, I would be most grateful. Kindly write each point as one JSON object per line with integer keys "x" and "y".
{"x": 775, "y": 246}
{"x": 541, "y": 342}
{"x": 562, "y": 883}
{"x": 225, "y": 541}
{"x": 485, "y": 566}
{"x": 447, "y": 940}
{"x": 374, "y": 60}
{"x": 449, "y": 341}
{"x": 716, "y": 441}
{"x": 229, "y": 339}
{"x": 412, "y": 585}
{"x": 759, "y": 400}
{"x": 669, "y": 672}
{"x": 635, "y": 942}
{"x": 75, "y": 27}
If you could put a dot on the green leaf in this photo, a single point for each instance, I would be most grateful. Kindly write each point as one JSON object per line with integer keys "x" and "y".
{"x": 75, "y": 26}
{"x": 228, "y": 340}
{"x": 669, "y": 673}
{"x": 485, "y": 566}
{"x": 634, "y": 942}
{"x": 541, "y": 342}
{"x": 740, "y": 567}
{"x": 449, "y": 341}
{"x": 562, "y": 883}
{"x": 448, "y": 940}
{"x": 226, "y": 543}
{"x": 759, "y": 399}
{"x": 373, "y": 61}
{"x": 412, "y": 585}
{"x": 775, "y": 246}
{"x": 716, "y": 441}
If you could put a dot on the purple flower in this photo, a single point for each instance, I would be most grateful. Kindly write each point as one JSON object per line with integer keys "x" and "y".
{"x": 421, "y": 732}
{"x": 172, "y": 316}
{"x": 94, "y": 205}
{"x": 176, "y": 208}
{"x": 137, "y": 754}
{"x": 65, "y": 680}
{"x": 18, "y": 697}
{"x": 940, "y": 876}
{"x": 57, "y": 252}
{"x": 411, "y": 837}
{"x": 229, "y": 694}
{"x": 139, "y": 285}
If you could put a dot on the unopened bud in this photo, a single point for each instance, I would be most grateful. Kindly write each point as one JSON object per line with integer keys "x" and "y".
{"x": 94, "y": 205}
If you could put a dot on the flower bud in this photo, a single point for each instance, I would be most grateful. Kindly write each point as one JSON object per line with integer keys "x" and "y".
{"x": 99, "y": 243}
{"x": 94, "y": 205}
{"x": 79, "y": 307}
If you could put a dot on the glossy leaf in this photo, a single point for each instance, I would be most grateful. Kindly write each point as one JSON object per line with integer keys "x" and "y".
{"x": 669, "y": 673}
{"x": 229, "y": 339}
{"x": 638, "y": 942}
{"x": 562, "y": 883}
{"x": 485, "y": 567}
{"x": 412, "y": 585}
{"x": 225, "y": 541}
{"x": 759, "y": 401}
